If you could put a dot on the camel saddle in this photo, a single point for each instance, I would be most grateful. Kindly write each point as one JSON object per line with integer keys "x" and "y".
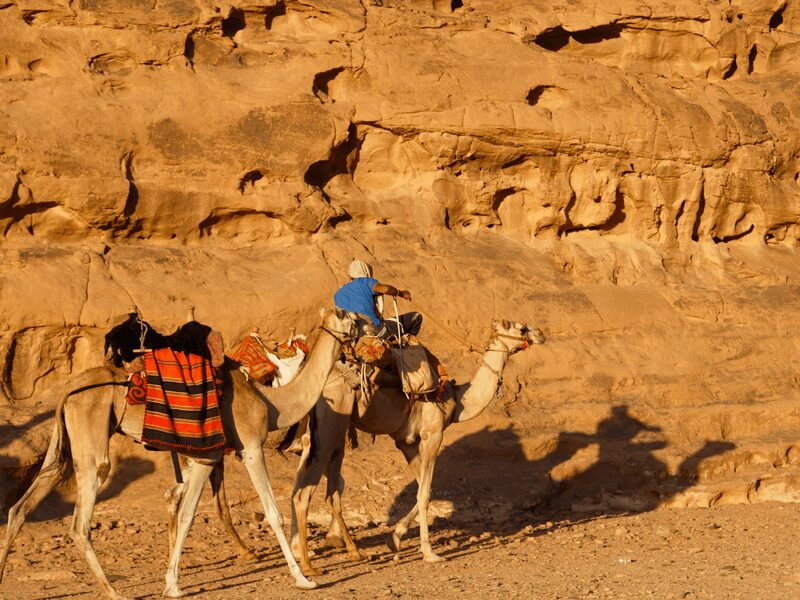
{"x": 412, "y": 367}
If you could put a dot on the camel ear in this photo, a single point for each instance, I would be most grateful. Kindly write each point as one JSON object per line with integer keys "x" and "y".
{"x": 338, "y": 312}
{"x": 506, "y": 324}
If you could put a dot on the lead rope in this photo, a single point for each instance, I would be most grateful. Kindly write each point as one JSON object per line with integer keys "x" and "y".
{"x": 466, "y": 343}
{"x": 400, "y": 343}
{"x": 142, "y": 334}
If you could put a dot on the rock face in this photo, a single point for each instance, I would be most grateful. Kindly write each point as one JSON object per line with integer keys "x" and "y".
{"x": 625, "y": 176}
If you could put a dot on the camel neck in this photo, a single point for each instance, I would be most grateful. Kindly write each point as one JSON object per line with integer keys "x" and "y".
{"x": 473, "y": 397}
{"x": 296, "y": 399}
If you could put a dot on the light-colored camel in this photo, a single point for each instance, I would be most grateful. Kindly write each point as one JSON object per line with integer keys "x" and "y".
{"x": 93, "y": 410}
{"x": 416, "y": 428}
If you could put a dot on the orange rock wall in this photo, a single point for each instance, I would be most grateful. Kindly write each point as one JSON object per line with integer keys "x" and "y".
{"x": 623, "y": 175}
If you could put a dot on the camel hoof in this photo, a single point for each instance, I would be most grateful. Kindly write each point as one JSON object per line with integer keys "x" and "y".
{"x": 305, "y": 584}
{"x": 173, "y": 591}
{"x": 247, "y": 557}
{"x": 310, "y": 571}
{"x": 394, "y": 542}
{"x": 433, "y": 558}
{"x": 334, "y": 541}
{"x": 355, "y": 555}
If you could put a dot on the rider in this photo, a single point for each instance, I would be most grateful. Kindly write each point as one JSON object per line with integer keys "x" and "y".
{"x": 361, "y": 295}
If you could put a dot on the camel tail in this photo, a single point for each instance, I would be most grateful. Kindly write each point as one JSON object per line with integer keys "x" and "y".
{"x": 58, "y": 460}
{"x": 289, "y": 438}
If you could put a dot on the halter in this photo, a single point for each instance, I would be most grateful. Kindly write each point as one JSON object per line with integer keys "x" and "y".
{"x": 345, "y": 338}
{"x": 498, "y": 374}
{"x": 516, "y": 338}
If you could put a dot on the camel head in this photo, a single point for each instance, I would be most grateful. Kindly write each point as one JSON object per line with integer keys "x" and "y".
{"x": 517, "y": 336}
{"x": 340, "y": 323}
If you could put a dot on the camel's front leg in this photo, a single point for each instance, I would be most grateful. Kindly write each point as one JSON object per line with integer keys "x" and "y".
{"x": 196, "y": 475}
{"x": 309, "y": 473}
{"x": 301, "y": 498}
{"x": 174, "y": 497}
{"x": 253, "y": 458}
{"x": 428, "y": 449}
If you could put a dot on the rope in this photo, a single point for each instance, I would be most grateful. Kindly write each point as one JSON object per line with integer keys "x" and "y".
{"x": 452, "y": 333}
{"x": 401, "y": 362}
{"x": 92, "y": 386}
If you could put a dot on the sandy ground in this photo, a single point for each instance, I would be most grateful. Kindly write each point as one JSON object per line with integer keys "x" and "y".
{"x": 497, "y": 544}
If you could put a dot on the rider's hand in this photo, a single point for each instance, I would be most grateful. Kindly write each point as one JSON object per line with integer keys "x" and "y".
{"x": 405, "y": 294}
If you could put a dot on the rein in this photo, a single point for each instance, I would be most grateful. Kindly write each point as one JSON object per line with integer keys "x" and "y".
{"x": 466, "y": 343}
{"x": 92, "y": 386}
{"x": 516, "y": 338}
{"x": 344, "y": 340}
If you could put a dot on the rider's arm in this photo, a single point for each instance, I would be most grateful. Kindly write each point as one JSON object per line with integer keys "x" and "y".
{"x": 380, "y": 288}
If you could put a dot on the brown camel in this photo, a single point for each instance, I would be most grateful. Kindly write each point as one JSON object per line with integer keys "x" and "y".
{"x": 95, "y": 408}
{"x": 416, "y": 427}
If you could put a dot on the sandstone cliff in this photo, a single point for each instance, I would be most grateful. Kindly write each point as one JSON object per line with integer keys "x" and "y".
{"x": 624, "y": 175}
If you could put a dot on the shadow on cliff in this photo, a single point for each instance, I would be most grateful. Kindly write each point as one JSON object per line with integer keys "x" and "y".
{"x": 494, "y": 488}
{"x": 16, "y": 478}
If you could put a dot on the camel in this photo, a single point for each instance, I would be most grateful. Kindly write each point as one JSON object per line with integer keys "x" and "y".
{"x": 95, "y": 408}
{"x": 416, "y": 427}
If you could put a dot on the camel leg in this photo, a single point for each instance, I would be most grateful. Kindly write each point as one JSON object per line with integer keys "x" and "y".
{"x": 334, "y": 500}
{"x": 43, "y": 484}
{"x": 196, "y": 476}
{"x": 224, "y": 513}
{"x": 174, "y": 497}
{"x": 428, "y": 449}
{"x": 306, "y": 476}
{"x": 334, "y": 537}
{"x": 253, "y": 458}
{"x": 304, "y": 488}
{"x": 411, "y": 453}
{"x": 401, "y": 528}
{"x": 88, "y": 484}
{"x": 89, "y": 442}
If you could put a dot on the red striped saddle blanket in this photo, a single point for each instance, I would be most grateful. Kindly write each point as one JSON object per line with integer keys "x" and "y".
{"x": 181, "y": 397}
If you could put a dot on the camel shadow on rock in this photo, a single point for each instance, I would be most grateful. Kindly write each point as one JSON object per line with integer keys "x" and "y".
{"x": 22, "y": 447}
{"x": 484, "y": 483}
{"x": 29, "y": 440}
{"x": 60, "y": 502}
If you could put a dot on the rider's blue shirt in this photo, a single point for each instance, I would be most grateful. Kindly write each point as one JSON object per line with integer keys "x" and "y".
{"x": 357, "y": 297}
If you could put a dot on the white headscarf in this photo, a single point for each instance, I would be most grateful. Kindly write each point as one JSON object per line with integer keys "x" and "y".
{"x": 358, "y": 268}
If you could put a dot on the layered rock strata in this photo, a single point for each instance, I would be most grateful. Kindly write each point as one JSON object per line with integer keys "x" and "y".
{"x": 625, "y": 176}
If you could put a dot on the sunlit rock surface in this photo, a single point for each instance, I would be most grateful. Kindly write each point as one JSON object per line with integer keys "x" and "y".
{"x": 623, "y": 175}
